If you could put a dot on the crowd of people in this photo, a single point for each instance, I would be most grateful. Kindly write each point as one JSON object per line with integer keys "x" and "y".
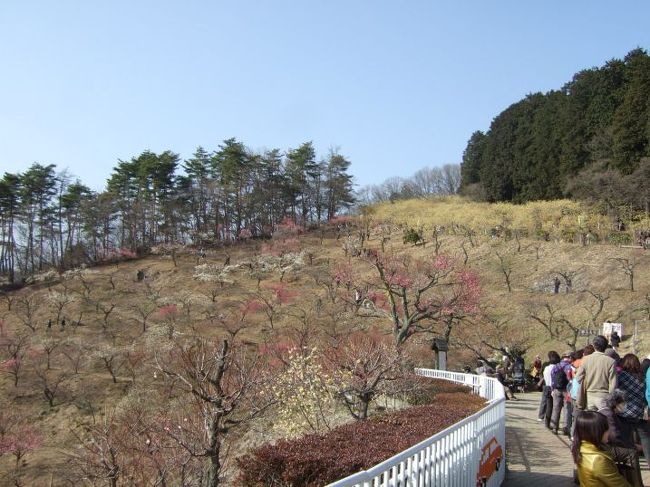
{"x": 604, "y": 398}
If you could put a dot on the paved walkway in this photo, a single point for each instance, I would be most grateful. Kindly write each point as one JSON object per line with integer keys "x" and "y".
{"x": 534, "y": 456}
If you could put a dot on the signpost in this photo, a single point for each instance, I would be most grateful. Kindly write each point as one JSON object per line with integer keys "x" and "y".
{"x": 440, "y": 347}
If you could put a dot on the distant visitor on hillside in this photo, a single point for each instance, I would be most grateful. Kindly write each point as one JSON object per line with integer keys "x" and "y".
{"x": 556, "y": 285}
{"x": 615, "y": 339}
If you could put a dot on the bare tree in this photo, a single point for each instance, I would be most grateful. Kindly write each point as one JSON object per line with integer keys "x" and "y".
{"x": 100, "y": 456}
{"x": 558, "y": 326}
{"x": 550, "y": 319}
{"x": 505, "y": 267}
{"x": 26, "y": 309}
{"x": 9, "y": 298}
{"x": 223, "y": 381}
{"x": 106, "y": 309}
{"x": 113, "y": 359}
{"x": 466, "y": 255}
{"x": 451, "y": 178}
{"x": 628, "y": 266}
{"x": 49, "y": 346}
{"x": 145, "y": 309}
{"x": 12, "y": 352}
{"x": 537, "y": 246}
{"x": 568, "y": 276}
{"x": 492, "y": 334}
{"x": 112, "y": 276}
{"x": 59, "y": 300}
{"x": 595, "y": 311}
{"x": 75, "y": 354}
{"x": 437, "y": 232}
{"x": 50, "y": 383}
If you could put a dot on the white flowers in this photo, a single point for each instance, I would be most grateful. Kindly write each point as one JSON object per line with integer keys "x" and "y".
{"x": 304, "y": 392}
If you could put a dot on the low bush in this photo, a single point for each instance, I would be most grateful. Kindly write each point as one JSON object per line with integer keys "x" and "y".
{"x": 320, "y": 459}
{"x": 619, "y": 238}
{"x": 422, "y": 390}
{"x": 411, "y": 235}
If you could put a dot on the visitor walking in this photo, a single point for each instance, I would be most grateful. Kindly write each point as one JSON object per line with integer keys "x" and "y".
{"x": 596, "y": 375}
{"x": 559, "y": 383}
{"x": 546, "y": 403}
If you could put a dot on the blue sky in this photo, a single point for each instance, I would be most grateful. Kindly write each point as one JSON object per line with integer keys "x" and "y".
{"x": 397, "y": 86}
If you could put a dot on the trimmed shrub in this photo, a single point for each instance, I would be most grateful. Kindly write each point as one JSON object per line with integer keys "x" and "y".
{"x": 422, "y": 390}
{"x": 320, "y": 459}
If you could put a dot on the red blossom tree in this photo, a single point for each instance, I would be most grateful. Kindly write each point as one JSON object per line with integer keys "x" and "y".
{"x": 270, "y": 300}
{"x": 421, "y": 294}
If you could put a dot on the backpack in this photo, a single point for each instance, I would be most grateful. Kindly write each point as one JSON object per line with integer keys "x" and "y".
{"x": 559, "y": 378}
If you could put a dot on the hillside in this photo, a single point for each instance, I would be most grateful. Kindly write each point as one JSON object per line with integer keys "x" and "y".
{"x": 581, "y": 140}
{"x": 312, "y": 289}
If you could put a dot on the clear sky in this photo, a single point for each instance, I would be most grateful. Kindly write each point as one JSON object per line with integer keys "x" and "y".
{"x": 396, "y": 85}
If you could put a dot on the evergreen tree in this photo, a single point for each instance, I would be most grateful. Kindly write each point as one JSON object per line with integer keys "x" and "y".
{"x": 10, "y": 192}
{"x": 301, "y": 168}
{"x": 632, "y": 118}
{"x": 38, "y": 186}
{"x": 472, "y": 158}
{"x": 338, "y": 184}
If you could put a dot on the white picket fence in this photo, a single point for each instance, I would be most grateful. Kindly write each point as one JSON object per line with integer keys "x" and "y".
{"x": 454, "y": 456}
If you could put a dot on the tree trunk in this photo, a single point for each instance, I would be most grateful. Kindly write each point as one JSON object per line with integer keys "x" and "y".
{"x": 214, "y": 468}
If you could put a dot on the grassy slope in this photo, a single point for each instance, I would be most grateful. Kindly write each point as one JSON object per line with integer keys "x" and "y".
{"x": 531, "y": 279}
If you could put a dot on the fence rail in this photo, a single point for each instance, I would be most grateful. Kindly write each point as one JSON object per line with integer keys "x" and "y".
{"x": 470, "y": 452}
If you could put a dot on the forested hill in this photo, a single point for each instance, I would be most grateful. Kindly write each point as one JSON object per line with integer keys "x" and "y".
{"x": 588, "y": 138}
{"x": 48, "y": 220}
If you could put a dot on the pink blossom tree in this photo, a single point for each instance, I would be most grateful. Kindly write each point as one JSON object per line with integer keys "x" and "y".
{"x": 421, "y": 294}
{"x": 17, "y": 437}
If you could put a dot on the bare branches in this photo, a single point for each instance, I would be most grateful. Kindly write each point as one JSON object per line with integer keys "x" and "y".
{"x": 628, "y": 266}
{"x": 505, "y": 267}
{"x": 26, "y": 309}
{"x": 600, "y": 298}
{"x": 225, "y": 383}
{"x": 558, "y": 326}
{"x": 568, "y": 276}
{"x": 419, "y": 294}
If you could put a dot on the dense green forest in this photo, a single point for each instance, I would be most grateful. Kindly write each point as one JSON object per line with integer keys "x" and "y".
{"x": 48, "y": 219}
{"x": 589, "y": 140}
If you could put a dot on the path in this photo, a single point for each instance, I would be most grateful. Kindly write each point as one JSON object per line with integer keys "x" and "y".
{"x": 535, "y": 457}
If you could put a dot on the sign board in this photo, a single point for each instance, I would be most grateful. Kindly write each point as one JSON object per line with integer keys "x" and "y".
{"x": 583, "y": 332}
{"x": 608, "y": 328}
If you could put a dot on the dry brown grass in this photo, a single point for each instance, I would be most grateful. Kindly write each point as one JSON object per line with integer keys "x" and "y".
{"x": 92, "y": 391}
